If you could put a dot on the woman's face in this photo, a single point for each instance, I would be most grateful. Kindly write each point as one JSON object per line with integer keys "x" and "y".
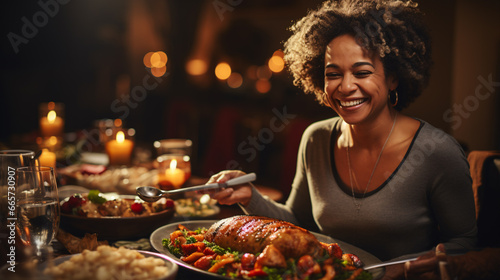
{"x": 356, "y": 86}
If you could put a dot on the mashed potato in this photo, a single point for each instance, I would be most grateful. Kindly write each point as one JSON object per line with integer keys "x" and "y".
{"x": 109, "y": 263}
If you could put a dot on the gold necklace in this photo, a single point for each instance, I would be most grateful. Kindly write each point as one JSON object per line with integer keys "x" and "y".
{"x": 351, "y": 172}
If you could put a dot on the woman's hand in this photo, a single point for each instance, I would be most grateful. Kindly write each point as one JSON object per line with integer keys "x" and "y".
{"x": 236, "y": 194}
{"x": 432, "y": 265}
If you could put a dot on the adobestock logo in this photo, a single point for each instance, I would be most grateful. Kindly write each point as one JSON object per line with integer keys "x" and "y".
{"x": 30, "y": 28}
{"x": 138, "y": 94}
{"x": 471, "y": 103}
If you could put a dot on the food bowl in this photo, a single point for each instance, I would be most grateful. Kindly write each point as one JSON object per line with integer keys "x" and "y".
{"x": 172, "y": 267}
{"x": 116, "y": 228}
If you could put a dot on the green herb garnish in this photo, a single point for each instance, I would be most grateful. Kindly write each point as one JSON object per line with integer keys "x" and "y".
{"x": 95, "y": 197}
{"x": 176, "y": 251}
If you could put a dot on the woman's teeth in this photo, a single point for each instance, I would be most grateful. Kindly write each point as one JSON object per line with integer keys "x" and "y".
{"x": 351, "y": 103}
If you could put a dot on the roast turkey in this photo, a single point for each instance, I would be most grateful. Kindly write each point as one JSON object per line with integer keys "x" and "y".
{"x": 251, "y": 234}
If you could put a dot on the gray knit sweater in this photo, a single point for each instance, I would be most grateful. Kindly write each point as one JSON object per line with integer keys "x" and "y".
{"x": 427, "y": 200}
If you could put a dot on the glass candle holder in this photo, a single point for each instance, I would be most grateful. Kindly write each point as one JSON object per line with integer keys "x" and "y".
{"x": 119, "y": 147}
{"x": 51, "y": 119}
{"x": 173, "y": 171}
{"x": 173, "y": 146}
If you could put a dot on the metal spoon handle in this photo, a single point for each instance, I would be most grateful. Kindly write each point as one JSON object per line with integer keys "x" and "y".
{"x": 196, "y": 188}
{"x": 231, "y": 182}
{"x": 388, "y": 263}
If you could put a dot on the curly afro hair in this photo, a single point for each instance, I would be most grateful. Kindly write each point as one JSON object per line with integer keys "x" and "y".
{"x": 393, "y": 29}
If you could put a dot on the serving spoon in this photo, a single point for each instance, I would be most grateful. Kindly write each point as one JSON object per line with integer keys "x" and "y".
{"x": 152, "y": 194}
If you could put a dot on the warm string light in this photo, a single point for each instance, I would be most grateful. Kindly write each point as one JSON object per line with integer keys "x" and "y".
{"x": 223, "y": 71}
{"x": 157, "y": 61}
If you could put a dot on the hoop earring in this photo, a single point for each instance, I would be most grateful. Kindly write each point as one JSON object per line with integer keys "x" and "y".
{"x": 396, "y": 97}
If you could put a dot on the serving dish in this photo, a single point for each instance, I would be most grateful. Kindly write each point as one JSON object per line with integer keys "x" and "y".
{"x": 172, "y": 267}
{"x": 116, "y": 228}
{"x": 193, "y": 209}
{"x": 122, "y": 180}
{"x": 164, "y": 232}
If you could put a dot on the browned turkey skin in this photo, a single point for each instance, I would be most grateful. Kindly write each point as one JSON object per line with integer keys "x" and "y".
{"x": 251, "y": 234}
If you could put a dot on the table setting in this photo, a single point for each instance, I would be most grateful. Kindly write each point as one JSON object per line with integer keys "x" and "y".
{"x": 107, "y": 204}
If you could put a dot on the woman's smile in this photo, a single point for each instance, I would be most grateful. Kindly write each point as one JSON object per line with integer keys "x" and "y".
{"x": 351, "y": 103}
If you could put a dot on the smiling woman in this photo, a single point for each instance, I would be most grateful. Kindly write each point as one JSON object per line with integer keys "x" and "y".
{"x": 368, "y": 176}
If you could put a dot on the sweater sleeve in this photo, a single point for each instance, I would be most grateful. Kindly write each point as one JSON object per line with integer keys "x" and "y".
{"x": 450, "y": 195}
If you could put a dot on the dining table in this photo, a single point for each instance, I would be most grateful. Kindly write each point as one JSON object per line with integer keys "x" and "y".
{"x": 225, "y": 211}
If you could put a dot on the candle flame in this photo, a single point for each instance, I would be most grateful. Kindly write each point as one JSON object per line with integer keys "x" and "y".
{"x": 51, "y": 116}
{"x": 173, "y": 164}
{"x": 120, "y": 137}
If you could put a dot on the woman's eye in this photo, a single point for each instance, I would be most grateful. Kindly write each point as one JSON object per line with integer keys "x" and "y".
{"x": 362, "y": 74}
{"x": 332, "y": 75}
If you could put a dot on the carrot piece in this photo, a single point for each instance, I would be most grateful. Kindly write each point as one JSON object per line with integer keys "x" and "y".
{"x": 220, "y": 264}
{"x": 193, "y": 257}
{"x": 204, "y": 262}
{"x": 188, "y": 249}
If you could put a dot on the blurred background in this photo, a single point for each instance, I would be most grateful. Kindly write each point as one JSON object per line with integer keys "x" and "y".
{"x": 218, "y": 78}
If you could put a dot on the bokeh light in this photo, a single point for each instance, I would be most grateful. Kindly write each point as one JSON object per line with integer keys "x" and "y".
{"x": 158, "y": 72}
{"x": 263, "y": 73}
{"x": 263, "y": 86}
{"x": 118, "y": 122}
{"x": 252, "y": 72}
{"x": 235, "y": 80}
{"x": 147, "y": 59}
{"x": 276, "y": 64}
{"x": 196, "y": 67}
{"x": 222, "y": 71}
{"x": 158, "y": 59}
{"x": 279, "y": 53}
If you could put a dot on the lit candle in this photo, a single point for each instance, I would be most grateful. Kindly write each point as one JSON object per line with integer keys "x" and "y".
{"x": 52, "y": 124}
{"x": 47, "y": 158}
{"x": 175, "y": 176}
{"x": 119, "y": 150}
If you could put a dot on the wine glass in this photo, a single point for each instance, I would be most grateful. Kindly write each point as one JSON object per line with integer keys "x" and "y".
{"x": 10, "y": 160}
{"x": 38, "y": 210}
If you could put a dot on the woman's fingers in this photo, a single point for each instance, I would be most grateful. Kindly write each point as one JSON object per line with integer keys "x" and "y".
{"x": 231, "y": 196}
{"x": 225, "y": 175}
{"x": 421, "y": 266}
